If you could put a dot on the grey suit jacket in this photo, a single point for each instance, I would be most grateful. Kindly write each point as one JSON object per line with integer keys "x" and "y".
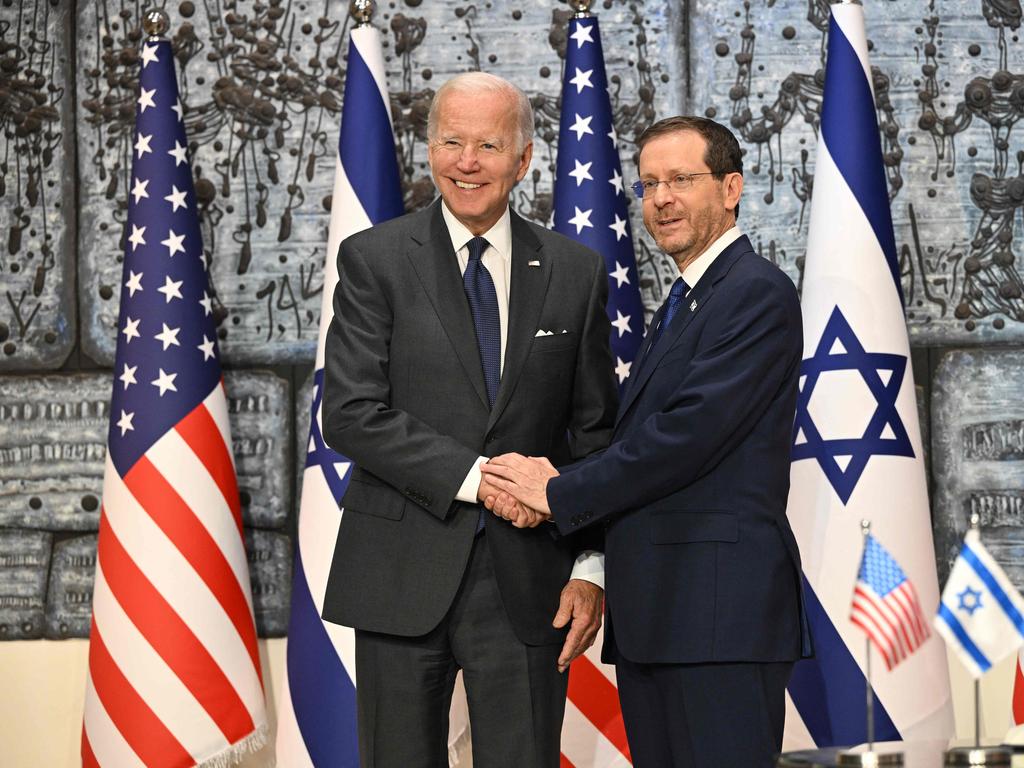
{"x": 404, "y": 398}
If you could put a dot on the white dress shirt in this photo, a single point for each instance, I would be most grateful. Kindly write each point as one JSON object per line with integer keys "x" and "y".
{"x": 497, "y": 258}
{"x": 696, "y": 269}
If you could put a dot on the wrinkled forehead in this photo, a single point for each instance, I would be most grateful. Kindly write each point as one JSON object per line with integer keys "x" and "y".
{"x": 488, "y": 114}
{"x": 680, "y": 151}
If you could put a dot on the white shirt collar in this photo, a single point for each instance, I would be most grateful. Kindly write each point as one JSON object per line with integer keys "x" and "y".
{"x": 499, "y": 236}
{"x": 696, "y": 269}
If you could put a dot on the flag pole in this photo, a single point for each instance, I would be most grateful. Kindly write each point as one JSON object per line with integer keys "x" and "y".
{"x": 869, "y": 758}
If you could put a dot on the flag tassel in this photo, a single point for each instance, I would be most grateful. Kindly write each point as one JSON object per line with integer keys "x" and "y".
{"x": 250, "y": 745}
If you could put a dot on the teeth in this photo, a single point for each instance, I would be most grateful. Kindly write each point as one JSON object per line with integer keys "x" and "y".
{"x": 466, "y": 185}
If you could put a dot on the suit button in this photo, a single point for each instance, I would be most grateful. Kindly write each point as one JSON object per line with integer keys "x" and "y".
{"x": 492, "y": 437}
{"x": 575, "y": 520}
{"x": 587, "y": 515}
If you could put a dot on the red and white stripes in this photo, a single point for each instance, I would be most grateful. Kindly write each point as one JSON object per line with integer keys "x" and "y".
{"x": 174, "y": 672}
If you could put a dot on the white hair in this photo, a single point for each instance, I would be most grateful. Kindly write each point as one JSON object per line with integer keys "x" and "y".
{"x": 476, "y": 83}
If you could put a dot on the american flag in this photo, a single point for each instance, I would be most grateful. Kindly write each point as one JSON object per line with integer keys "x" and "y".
{"x": 590, "y": 198}
{"x": 590, "y": 207}
{"x": 886, "y": 607}
{"x": 174, "y": 672}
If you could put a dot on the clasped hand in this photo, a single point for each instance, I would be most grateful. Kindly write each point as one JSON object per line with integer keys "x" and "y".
{"x": 517, "y": 488}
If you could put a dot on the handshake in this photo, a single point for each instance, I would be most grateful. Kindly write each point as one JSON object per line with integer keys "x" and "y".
{"x": 514, "y": 487}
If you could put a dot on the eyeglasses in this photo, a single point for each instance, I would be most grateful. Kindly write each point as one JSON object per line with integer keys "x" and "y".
{"x": 678, "y": 183}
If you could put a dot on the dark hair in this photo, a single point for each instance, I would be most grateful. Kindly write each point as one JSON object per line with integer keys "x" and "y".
{"x": 722, "y": 154}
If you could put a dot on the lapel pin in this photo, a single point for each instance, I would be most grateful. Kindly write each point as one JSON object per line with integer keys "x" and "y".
{"x": 533, "y": 263}
{"x": 693, "y": 305}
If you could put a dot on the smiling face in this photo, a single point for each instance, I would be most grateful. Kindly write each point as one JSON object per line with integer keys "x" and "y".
{"x": 474, "y": 156}
{"x": 685, "y": 223}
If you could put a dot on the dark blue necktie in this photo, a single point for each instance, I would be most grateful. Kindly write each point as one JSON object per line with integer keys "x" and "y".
{"x": 672, "y": 304}
{"x": 483, "y": 302}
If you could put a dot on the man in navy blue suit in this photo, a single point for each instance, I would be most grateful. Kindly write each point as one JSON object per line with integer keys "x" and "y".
{"x": 704, "y": 616}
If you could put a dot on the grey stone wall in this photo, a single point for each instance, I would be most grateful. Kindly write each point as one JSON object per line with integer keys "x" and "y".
{"x": 261, "y": 82}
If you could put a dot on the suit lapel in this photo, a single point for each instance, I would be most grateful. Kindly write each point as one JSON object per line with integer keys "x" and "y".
{"x": 692, "y": 304}
{"x": 529, "y": 286}
{"x": 434, "y": 262}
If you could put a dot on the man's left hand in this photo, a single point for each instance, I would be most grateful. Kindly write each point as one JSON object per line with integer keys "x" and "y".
{"x": 583, "y": 603}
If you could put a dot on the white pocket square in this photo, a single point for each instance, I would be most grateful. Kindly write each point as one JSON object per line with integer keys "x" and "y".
{"x": 542, "y": 332}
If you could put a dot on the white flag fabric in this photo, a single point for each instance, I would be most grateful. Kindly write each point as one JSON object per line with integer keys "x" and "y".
{"x": 981, "y": 614}
{"x": 857, "y": 451}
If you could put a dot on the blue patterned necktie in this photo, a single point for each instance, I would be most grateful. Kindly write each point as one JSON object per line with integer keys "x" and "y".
{"x": 483, "y": 302}
{"x": 675, "y": 299}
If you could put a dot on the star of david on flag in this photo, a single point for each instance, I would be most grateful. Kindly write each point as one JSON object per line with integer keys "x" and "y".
{"x": 981, "y": 614}
{"x": 843, "y": 459}
{"x": 589, "y": 196}
{"x": 857, "y": 452}
{"x": 174, "y": 669}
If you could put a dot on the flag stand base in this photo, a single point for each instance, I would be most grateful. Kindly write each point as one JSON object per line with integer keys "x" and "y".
{"x": 978, "y": 756}
{"x": 869, "y": 759}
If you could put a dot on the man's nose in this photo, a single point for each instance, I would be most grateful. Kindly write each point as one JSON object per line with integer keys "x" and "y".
{"x": 661, "y": 195}
{"x": 468, "y": 158}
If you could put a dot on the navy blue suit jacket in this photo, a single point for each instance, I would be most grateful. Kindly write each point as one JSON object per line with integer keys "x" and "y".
{"x": 701, "y": 564}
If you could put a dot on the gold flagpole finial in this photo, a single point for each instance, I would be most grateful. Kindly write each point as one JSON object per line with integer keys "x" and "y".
{"x": 581, "y": 8}
{"x": 362, "y": 11}
{"x": 155, "y": 23}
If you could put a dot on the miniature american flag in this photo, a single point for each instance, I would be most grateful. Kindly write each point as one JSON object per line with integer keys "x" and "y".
{"x": 174, "y": 671}
{"x": 886, "y": 607}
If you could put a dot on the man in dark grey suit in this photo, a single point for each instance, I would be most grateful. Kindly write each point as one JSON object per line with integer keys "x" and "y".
{"x": 461, "y": 332}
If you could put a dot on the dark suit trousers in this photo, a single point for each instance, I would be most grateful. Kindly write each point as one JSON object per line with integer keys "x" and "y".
{"x": 404, "y": 686}
{"x": 703, "y": 715}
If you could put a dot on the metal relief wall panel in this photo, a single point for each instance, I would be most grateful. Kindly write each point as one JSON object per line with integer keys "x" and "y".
{"x": 53, "y": 432}
{"x": 948, "y": 102}
{"x": 24, "y": 563}
{"x": 37, "y": 186}
{"x": 260, "y": 409}
{"x": 260, "y": 85}
{"x": 52, "y": 448}
{"x": 261, "y": 88}
{"x": 978, "y": 454}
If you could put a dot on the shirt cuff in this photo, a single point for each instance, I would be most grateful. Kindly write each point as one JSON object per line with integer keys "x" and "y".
{"x": 470, "y": 486}
{"x": 589, "y": 566}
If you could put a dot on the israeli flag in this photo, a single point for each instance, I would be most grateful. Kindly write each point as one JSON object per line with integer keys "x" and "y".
{"x": 316, "y": 713}
{"x": 981, "y": 614}
{"x": 857, "y": 451}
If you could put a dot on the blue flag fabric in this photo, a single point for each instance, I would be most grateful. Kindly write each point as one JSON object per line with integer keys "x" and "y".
{"x": 590, "y": 197}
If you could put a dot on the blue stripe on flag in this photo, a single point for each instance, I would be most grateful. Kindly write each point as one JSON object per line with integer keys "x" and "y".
{"x": 958, "y": 630}
{"x": 366, "y": 145}
{"x": 323, "y": 696}
{"x": 850, "y": 130}
{"x": 971, "y": 557}
{"x": 829, "y": 690}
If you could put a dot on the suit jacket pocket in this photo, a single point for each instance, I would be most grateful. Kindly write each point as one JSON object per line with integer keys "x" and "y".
{"x": 554, "y": 342}
{"x": 684, "y": 526}
{"x": 377, "y": 500}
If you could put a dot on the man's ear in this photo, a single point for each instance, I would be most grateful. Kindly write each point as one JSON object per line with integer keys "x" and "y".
{"x": 732, "y": 188}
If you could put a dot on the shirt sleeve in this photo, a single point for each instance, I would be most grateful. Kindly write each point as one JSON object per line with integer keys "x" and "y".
{"x": 589, "y": 566}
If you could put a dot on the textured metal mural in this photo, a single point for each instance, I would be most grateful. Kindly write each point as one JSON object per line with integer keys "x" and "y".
{"x": 978, "y": 455}
{"x": 52, "y": 453}
{"x": 37, "y": 186}
{"x": 261, "y": 84}
{"x": 948, "y": 102}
